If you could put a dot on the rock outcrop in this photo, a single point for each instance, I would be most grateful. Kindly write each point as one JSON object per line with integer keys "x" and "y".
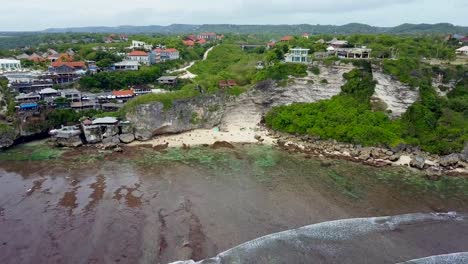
{"x": 7, "y": 136}
{"x": 70, "y": 142}
{"x": 184, "y": 115}
{"x": 396, "y": 95}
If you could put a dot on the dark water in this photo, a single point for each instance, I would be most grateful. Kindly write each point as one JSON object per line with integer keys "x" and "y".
{"x": 142, "y": 206}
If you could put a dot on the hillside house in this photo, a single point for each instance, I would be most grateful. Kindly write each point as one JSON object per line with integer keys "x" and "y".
{"x": 298, "y": 55}
{"x": 168, "y": 80}
{"x": 30, "y": 86}
{"x": 49, "y": 93}
{"x": 126, "y": 65}
{"x": 123, "y": 95}
{"x": 141, "y": 57}
{"x": 227, "y": 84}
{"x": 306, "y": 35}
{"x": 140, "y": 45}
{"x": 66, "y": 72}
{"x": 189, "y": 43}
{"x": 338, "y": 43}
{"x": 462, "y": 51}
{"x": 71, "y": 94}
{"x": 209, "y": 36}
{"x": 286, "y": 38}
{"x": 10, "y": 65}
{"x": 27, "y": 98}
{"x": 166, "y": 54}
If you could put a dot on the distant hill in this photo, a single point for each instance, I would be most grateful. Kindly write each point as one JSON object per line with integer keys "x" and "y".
{"x": 441, "y": 28}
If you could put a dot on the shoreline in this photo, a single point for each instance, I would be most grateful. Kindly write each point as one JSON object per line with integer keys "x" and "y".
{"x": 372, "y": 156}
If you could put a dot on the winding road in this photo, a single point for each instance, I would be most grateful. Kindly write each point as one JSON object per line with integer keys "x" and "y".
{"x": 187, "y": 74}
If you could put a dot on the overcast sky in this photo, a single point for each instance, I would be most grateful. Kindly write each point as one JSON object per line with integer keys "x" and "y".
{"x": 42, "y": 14}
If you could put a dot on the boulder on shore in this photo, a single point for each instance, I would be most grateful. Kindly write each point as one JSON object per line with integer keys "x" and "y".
{"x": 71, "y": 142}
{"x": 127, "y": 138}
{"x": 7, "y": 137}
{"x": 418, "y": 162}
{"x": 450, "y": 160}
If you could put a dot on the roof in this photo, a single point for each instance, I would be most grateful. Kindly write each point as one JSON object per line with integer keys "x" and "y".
{"x": 201, "y": 41}
{"x": 189, "y": 43}
{"x": 167, "y": 78}
{"x": 29, "y": 95}
{"x": 231, "y": 83}
{"x": 9, "y": 61}
{"x": 127, "y": 63}
{"x": 71, "y": 64}
{"x": 48, "y": 91}
{"x": 28, "y": 105}
{"x": 138, "y": 53}
{"x": 287, "y": 38}
{"x": 338, "y": 42}
{"x": 464, "y": 48}
{"x": 105, "y": 121}
{"x": 123, "y": 93}
{"x": 465, "y": 39}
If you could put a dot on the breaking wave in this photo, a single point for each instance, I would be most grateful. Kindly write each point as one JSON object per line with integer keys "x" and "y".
{"x": 390, "y": 239}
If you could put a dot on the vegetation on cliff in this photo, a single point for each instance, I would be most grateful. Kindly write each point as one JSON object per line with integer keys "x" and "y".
{"x": 439, "y": 125}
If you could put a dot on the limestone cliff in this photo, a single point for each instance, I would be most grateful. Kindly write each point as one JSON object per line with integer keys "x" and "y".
{"x": 153, "y": 119}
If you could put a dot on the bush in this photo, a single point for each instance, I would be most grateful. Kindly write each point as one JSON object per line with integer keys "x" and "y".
{"x": 282, "y": 71}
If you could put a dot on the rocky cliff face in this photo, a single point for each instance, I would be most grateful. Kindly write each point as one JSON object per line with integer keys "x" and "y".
{"x": 397, "y": 96}
{"x": 7, "y": 136}
{"x": 152, "y": 119}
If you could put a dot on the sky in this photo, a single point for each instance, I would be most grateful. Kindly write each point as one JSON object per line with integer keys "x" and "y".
{"x": 30, "y": 15}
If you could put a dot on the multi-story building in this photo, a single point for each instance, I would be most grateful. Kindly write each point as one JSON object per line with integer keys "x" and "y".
{"x": 10, "y": 65}
{"x": 298, "y": 55}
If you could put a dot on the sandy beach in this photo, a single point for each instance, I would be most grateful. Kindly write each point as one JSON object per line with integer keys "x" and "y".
{"x": 209, "y": 136}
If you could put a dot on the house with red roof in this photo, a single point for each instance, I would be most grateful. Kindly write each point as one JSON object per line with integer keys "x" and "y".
{"x": 189, "y": 43}
{"x": 167, "y": 54}
{"x": 201, "y": 41}
{"x": 286, "y": 38}
{"x": 141, "y": 57}
{"x": 123, "y": 95}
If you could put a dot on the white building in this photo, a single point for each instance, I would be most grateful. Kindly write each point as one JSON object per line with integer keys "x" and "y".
{"x": 298, "y": 55}
{"x": 141, "y": 57}
{"x": 10, "y": 64}
{"x": 462, "y": 50}
{"x": 127, "y": 65}
{"x": 140, "y": 45}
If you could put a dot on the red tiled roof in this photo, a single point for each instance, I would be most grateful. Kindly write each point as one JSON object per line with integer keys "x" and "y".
{"x": 201, "y": 41}
{"x": 123, "y": 93}
{"x": 191, "y": 37}
{"x": 271, "y": 44}
{"x": 189, "y": 43}
{"x": 287, "y": 38}
{"x": 71, "y": 64}
{"x": 172, "y": 50}
{"x": 231, "y": 83}
{"x": 138, "y": 53}
{"x": 223, "y": 83}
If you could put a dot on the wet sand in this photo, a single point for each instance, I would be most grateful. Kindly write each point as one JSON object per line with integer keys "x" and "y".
{"x": 132, "y": 208}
